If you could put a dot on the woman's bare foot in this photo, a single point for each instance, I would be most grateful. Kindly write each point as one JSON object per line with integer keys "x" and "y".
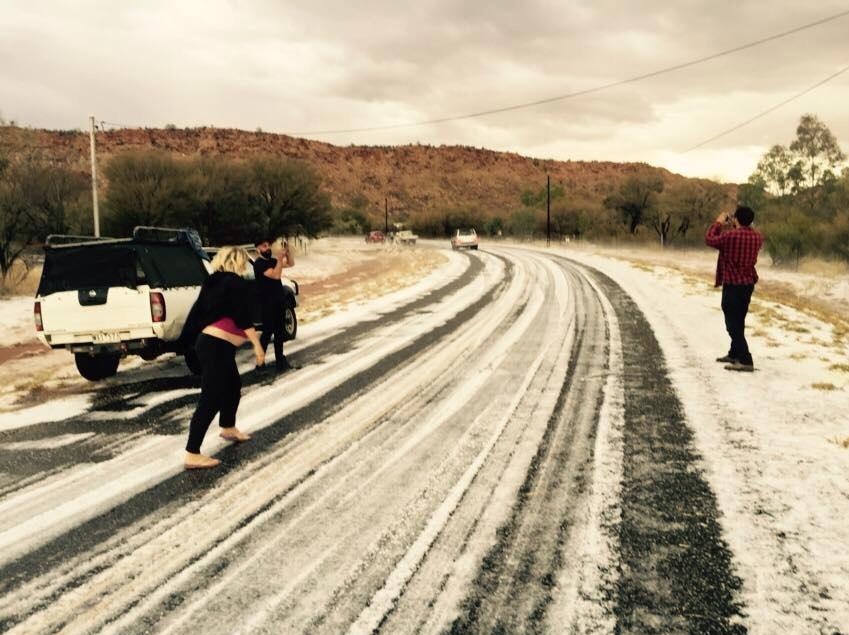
{"x": 234, "y": 434}
{"x": 199, "y": 461}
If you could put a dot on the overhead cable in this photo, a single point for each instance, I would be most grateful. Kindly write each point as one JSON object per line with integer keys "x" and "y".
{"x": 579, "y": 93}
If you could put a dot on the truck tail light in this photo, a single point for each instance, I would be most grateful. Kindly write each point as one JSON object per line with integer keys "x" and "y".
{"x": 39, "y": 323}
{"x": 157, "y": 307}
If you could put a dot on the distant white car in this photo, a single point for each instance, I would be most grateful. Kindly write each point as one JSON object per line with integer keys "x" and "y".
{"x": 465, "y": 238}
{"x": 406, "y": 237}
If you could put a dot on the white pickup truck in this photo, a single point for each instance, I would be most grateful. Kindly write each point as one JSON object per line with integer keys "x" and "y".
{"x": 103, "y": 299}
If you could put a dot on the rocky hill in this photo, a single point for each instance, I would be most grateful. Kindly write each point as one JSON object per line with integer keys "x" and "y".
{"x": 413, "y": 177}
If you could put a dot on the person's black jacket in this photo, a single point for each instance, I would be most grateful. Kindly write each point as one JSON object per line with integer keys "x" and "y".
{"x": 223, "y": 294}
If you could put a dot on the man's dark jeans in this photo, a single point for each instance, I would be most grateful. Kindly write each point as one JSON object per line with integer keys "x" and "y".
{"x": 735, "y": 306}
{"x": 272, "y": 325}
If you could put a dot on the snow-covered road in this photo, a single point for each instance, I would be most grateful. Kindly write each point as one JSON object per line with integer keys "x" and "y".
{"x": 499, "y": 448}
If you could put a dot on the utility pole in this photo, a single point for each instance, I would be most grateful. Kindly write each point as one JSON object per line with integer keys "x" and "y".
{"x": 386, "y": 215}
{"x": 548, "y": 211}
{"x": 94, "y": 179}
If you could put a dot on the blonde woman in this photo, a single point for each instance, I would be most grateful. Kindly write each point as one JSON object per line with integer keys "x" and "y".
{"x": 222, "y": 315}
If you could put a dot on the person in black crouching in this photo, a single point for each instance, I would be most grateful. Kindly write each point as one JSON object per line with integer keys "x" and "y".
{"x": 221, "y": 317}
{"x": 268, "y": 269}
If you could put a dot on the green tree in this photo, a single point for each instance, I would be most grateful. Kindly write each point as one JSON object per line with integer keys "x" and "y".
{"x": 289, "y": 197}
{"x": 523, "y": 223}
{"x": 817, "y": 149}
{"x": 636, "y": 197}
{"x": 17, "y": 224}
{"x": 538, "y": 198}
{"x": 494, "y": 226}
{"x": 789, "y": 240}
{"x": 36, "y": 198}
{"x": 753, "y": 193}
{"x": 685, "y": 205}
{"x": 217, "y": 204}
{"x": 774, "y": 170}
{"x": 145, "y": 188}
{"x": 837, "y": 237}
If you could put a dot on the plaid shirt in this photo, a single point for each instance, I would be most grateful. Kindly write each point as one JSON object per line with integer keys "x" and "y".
{"x": 738, "y": 253}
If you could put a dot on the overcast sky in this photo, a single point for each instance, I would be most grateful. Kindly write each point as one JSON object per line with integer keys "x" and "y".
{"x": 295, "y": 67}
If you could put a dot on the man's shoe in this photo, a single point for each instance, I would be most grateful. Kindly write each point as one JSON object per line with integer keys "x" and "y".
{"x": 726, "y": 359}
{"x": 262, "y": 369}
{"x": 285, "y": 366}
{"x": 742, "y": 368}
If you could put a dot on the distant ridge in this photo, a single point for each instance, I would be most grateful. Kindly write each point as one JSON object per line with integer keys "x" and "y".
{"x": 414, "y": 177}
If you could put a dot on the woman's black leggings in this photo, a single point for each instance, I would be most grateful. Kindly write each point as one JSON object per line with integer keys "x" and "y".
{"x": 220, "y": 391}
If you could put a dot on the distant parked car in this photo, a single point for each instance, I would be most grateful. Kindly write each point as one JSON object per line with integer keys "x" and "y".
{"x": 467, "y": 238}
{"x": 375, "y": 237}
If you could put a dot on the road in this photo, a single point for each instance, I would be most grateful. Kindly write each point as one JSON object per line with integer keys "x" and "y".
{"x": 497, "y": 450}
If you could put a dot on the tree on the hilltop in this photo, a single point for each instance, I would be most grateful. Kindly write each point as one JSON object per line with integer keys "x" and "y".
{"x": 635, "y": 198}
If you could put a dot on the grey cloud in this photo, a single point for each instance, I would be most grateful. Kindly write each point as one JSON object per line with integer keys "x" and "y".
{"x": 334, "y": 64}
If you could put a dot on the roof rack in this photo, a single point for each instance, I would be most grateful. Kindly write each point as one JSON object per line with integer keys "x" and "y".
{"x": 185, "y": 235}
{"x": 70, "y": 240}
{"x": 141, "y": 234}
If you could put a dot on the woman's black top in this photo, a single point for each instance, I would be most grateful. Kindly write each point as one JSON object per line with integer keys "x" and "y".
{"x": 223, "y": 294}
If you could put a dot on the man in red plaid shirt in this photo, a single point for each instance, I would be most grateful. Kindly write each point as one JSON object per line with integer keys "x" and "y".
{"x": 735, "y": 273}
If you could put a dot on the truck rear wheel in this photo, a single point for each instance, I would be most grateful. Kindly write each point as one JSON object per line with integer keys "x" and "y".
{"x": 290, "y": 323}
{"x": 97, "y": 367}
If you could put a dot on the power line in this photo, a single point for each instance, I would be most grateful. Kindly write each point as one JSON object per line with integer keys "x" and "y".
{"x": 579, "y": 93}
{"x": 763, "y": 113}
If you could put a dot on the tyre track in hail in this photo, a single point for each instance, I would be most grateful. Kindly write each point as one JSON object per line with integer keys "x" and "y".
{"x": 88, "y": 537}
{"x": 368, "y": 506}
{"x": 677, "y": 573}
{"x": 24, "y": 517}
{"x": 114, "y": 432}
{"x": 517, "y": 576}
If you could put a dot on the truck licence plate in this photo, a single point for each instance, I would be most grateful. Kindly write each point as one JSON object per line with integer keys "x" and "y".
{"x": 107, "y": 336}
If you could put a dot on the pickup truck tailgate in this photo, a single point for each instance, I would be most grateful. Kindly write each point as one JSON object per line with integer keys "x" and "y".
{"x": 96, "y": 310}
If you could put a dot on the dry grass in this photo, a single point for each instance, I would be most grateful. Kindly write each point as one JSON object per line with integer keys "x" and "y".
{"x": 824, "y": 385}
{"x": 841, "y": 368}
{"x": 782, "y": 293}
{"x": 383, "y": 273}
{"x": 771, "y": 290}
{"x": 20, "y": 281}
{"x": 843, "y": 443}
{"x": 820, "y": 267}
